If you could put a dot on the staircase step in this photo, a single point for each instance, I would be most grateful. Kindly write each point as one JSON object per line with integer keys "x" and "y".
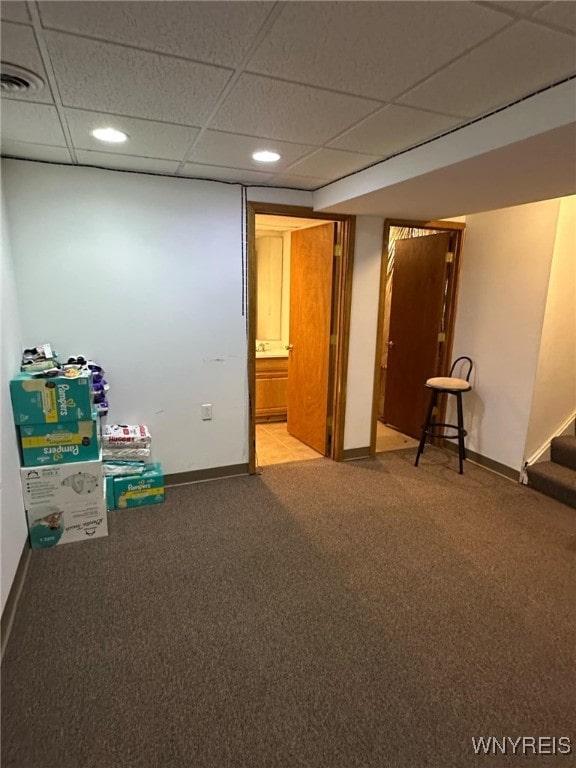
{"x": 553, "y": 480}
{"x": 563, "y": 450}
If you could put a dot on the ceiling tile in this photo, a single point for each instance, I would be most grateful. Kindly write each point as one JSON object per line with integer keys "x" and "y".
{"x": 19, "y": 47}
{"x": 126, "y": 162}
{"x": 560, "y": 14}
{"x": 35, "y": 123}
{"x": 214, "y": 32}
{"x": 35, "y": 151}
{"x": 145, "y": 137}
{"x": 392, "y": 129}
{"x": 109, "y": 78}
{"x": 513, "y": 64}
{"x": 331, "y": 164}
{"x": 296, "y": 182}
{"x": 235, "y": 151}
{"x": 373, "y": 49}
{"x": 199, "y": 171}
{"x": 260, "y": 106}
{"x": 14, "y": 11}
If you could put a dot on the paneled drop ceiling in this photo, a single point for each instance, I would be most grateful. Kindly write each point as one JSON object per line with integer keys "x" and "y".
{"x": 334, "y": 87}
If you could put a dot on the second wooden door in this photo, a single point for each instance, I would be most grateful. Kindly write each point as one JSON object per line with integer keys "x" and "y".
{"x": 418, "y": 296}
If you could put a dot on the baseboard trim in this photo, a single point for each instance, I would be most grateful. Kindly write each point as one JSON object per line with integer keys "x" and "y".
{"x": 202, "y": 475}
{"x": 484, "y": 461}
{"x": 9, "y": 611}
{"x": 350, "y": 454}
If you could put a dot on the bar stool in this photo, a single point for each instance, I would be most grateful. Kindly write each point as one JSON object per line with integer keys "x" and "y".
{"x": 451, "y": 386}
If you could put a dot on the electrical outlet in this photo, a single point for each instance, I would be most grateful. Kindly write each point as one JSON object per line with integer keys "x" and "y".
{"x": 206, "y": 412}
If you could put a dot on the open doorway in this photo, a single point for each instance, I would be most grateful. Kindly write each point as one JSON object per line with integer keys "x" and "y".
{"x": 418, "y": 290}
{"x": 299, "y": 301}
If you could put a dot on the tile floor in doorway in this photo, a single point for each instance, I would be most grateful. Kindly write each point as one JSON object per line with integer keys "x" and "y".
{"x": 275, "y": 446}
{"x": 388, "y": 439}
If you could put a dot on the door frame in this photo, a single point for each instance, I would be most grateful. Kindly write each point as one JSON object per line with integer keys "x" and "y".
{"x": 457, "y": 229}
{"x": 341, "y": 307}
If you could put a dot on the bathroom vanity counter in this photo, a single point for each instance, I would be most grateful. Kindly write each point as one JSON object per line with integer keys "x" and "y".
{"x": 271, "y": 387}
{"x": 274, "y": 355}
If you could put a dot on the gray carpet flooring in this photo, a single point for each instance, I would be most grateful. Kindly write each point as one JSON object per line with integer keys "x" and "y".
{"x": 322, "y": 616}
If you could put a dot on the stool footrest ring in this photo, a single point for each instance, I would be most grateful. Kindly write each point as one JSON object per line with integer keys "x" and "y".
{"x": 430, "y": 431}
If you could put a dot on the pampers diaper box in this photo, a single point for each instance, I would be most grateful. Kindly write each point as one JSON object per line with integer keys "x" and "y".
{"x": 62, "y": 442}
{"x": 110, "y": 501}
{"x": 64, "y": 503}
{"x": 139, "y": 490}
{"x": 53, "y": 400}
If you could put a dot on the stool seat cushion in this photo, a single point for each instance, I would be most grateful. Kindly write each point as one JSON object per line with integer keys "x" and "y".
{"x": 448, "y": 384}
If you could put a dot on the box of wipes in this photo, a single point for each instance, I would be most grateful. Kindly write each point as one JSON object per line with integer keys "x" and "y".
{"x": 37, "y": 400}
{"x": 139, "y": 490}
{"x": 54, "y": 524}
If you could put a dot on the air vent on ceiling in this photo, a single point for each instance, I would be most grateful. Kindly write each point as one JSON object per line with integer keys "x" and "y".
{"x": 18, "y": 80}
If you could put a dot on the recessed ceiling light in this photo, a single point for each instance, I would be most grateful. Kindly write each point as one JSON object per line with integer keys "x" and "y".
{"x": 266, "y": 156}
{"x": 109, "y": 134}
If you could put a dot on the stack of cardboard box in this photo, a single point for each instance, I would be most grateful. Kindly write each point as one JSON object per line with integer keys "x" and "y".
{"x": 131, "y": 481}
{"x": 62, "y": 480}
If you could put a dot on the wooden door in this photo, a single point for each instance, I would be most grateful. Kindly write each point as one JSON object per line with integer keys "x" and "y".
{"x": 311, "y": 266}
{"x": 418, "y": 294}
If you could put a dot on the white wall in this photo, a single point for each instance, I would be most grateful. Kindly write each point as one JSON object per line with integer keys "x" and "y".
{"x": 503, "y": 288}
{"x": 144, "y": 274}
{"x": 12, "y": 517}
{"x": 554, "y": 399}
{"x": 363, "y": 329}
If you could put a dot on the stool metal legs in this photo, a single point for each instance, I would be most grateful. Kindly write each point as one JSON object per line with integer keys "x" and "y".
{"x": 426, "y": 425}
{"x": 431, "y": 428}
{"x": 461, "y": 431}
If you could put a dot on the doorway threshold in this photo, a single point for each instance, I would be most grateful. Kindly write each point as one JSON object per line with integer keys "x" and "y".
{"x": 389, "y": 439}
{"x": 275, "y": 446}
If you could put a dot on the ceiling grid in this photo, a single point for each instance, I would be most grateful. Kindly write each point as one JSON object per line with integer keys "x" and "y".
{"x": 333, "y": 87}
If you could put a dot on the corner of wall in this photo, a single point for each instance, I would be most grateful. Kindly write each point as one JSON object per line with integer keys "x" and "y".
{"x": 554, "y": 393}
{"x": 363, "y": 331}
{"x": 14, "y": 530}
